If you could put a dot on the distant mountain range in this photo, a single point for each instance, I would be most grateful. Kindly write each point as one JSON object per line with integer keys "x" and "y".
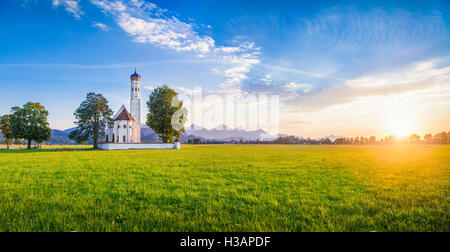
{"x": 66, "y": 132}
{"x": 224, "y": 133}
{"x": 331, "y": 137}
{"x": 61, "y": 137}
{"x": 192, "y": 132}
{"x": 220, "y": 133}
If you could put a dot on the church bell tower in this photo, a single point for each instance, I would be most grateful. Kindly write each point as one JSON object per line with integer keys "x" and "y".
{"x": 135, "y": 104}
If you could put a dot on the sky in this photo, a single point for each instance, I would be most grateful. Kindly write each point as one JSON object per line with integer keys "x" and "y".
{"x": 350, "y": 68}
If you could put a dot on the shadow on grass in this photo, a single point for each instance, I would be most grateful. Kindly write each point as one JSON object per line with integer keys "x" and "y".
{"x": 20, "y": 151}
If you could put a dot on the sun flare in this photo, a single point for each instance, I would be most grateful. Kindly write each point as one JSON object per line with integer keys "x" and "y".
{"x": 401, "y": 125}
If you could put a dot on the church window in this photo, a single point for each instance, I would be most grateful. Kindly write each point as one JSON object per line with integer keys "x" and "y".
{"x": 124, "y": 126}
{"x": 124, "y": 138}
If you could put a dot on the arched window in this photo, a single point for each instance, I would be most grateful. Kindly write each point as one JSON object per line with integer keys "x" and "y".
{"x": 124, "y": 126}
{"x": 124, "y": 139}
{"x": 113, "y": 139}
{"x": 107, "y": 138}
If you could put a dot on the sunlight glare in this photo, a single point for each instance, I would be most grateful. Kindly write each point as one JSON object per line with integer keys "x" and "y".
{"x": 401, "y": 125}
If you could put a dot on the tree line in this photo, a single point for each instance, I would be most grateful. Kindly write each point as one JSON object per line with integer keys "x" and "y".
{"x": 93, "y": 116}
{"x": 439, "y": 138}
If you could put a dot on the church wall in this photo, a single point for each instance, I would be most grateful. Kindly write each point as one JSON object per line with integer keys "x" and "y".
{"x": 132, "y": 131}
{"x": 120, "y": 132}
{"x": 108, "y": 135}
{"x": 128, "y": 146}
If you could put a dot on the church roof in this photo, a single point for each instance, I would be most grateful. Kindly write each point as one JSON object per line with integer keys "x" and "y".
{"x": 135, "y": 75}
{"x": 124, "y": 116}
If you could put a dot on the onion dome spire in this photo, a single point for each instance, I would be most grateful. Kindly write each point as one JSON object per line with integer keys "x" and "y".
{"x": 135, "y": 76}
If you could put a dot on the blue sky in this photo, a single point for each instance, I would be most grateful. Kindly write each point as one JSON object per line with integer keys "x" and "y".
{"x": 340, "y": 67}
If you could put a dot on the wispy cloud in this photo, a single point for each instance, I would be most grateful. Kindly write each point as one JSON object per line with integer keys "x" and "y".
{"x": 123, "y": 65}
{"x": 137, "y": 19}
{"x": 170, "y": 33}
{"x": 420, "y": 76}
{"x": 287, "y": 91}
{"x": 145, "y": 22}
{"x": 363, "y": 105}
{"x": 25, "y": 3}
{"x": 348, "y": 29}
{"x": 101, "y": 26}
{"x": 302, "y": 72}
{"x": 71, "y": 6}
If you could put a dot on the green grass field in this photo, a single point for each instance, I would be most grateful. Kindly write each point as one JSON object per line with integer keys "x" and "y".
{"x": 227, "y": 188}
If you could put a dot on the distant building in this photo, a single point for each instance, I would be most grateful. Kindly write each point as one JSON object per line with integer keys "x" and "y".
{"x": 125, "y": 133}
{"x": 135, "y": 103}
{"x": 127, "y": 127}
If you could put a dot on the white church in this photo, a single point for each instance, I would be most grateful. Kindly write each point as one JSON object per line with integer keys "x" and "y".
{"x": 126, "y": 132}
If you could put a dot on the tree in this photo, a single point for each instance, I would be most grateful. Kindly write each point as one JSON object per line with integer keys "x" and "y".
{"x": 362, "y": 140}
{"x": 441, "y": 138}
{"x": 339, "y": 141}
{"x": 30, "y": 123}
{"x": 17, "y": 141}
{"x": 5, "y": 128}
{"x": 428, "y": 138}
{"x": 166, "y": 115}
{"x": 414, "y": 138}
{"x": 391, "y": 139}
{"x": 92, "y": 117}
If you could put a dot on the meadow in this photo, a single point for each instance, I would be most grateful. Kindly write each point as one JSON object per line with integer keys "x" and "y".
{"x": 227, "y": 188}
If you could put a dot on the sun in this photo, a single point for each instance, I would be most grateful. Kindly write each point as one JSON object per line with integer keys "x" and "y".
{"x": 401, "y": 125}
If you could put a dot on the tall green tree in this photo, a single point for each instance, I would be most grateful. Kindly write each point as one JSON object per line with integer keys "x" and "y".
{"x": 5, "y": 128}
{"x": 166, "y": 115}
{"x": 30, "y": 123}
{"x": 92, "y": 117}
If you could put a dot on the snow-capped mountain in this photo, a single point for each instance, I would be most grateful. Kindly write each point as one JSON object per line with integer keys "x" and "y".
{"x": 225, "y": 133}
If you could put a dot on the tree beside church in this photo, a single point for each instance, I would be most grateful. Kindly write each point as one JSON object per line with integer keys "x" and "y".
{"x": 166, "y": 115}
{"x": 92, "y": 117}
